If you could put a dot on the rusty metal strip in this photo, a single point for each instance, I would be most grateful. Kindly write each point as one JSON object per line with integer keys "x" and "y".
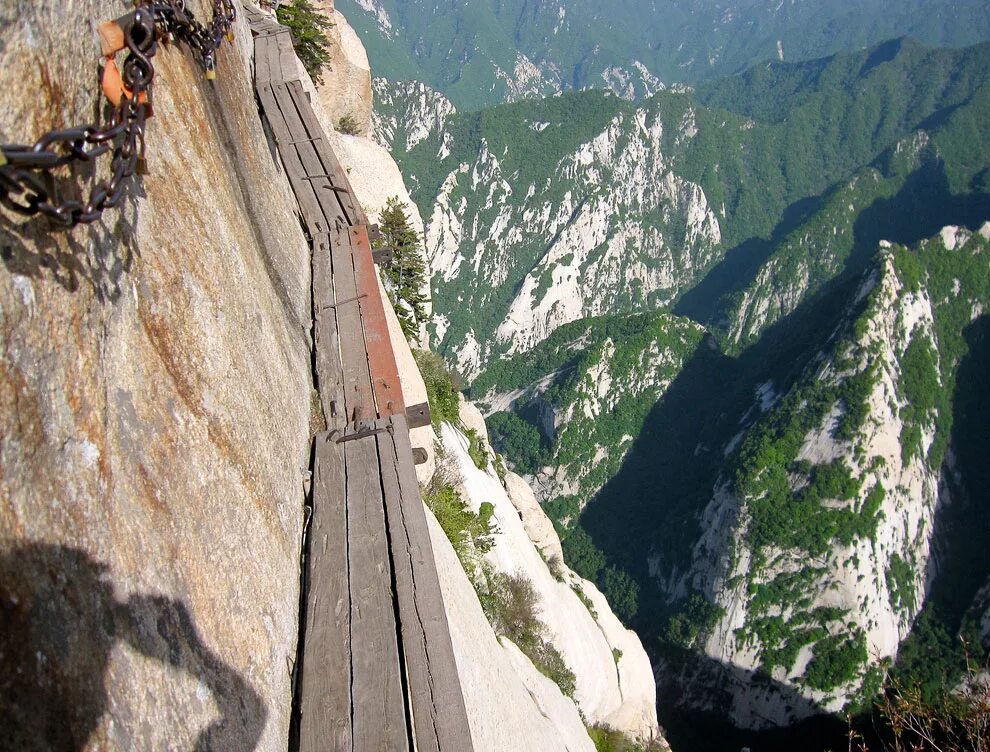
{"x": 381, "y": 358}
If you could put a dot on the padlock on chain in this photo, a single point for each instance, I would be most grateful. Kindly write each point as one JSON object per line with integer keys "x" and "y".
{"x": 211, "y": 68}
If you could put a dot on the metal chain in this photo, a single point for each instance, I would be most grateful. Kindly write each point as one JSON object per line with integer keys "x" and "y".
{"x": 27, "y": 181}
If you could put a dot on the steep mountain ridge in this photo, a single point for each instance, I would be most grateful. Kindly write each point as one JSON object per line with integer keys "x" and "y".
{"x": 585, "y": 392}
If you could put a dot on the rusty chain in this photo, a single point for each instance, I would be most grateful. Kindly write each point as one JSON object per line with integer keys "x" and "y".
{"x": 28, "y": 184}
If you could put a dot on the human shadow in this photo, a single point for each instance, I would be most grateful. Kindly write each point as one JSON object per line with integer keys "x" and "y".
{"x": 59, "y": 622}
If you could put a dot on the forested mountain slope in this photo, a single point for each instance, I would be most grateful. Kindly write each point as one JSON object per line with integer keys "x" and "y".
{"x": 545, "y": 212}
{"x": 480, "y": 54}
{"x": 744, "y": 410}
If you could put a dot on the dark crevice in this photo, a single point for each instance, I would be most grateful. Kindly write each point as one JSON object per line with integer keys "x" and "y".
{"x": 350, "y": 621}
{"x": 304, "y": 552}
{"x": 403, "y": 677}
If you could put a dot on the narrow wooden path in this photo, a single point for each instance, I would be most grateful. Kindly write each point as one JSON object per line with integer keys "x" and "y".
{"x": 377, "y": 672}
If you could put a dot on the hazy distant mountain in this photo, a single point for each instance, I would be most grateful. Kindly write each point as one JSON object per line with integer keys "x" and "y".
{"x": 482, "y": 53}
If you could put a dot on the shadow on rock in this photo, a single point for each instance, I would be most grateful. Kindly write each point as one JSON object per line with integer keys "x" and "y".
{"x": 59, "y": 621}
{"x": 99, "y": 254}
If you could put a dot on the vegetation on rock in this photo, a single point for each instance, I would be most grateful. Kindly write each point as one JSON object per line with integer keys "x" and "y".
{"x": 405, "y": 273}
{"x": 308, "y": 26}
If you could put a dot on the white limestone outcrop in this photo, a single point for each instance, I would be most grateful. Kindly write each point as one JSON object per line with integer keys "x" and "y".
{"x": 346, "y": 88}
{"x": 614, "y": 678}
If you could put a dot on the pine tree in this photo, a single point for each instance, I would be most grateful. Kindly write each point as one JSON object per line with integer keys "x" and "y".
{"x": 308, "y": 26}
{"x": 405, "y": 274}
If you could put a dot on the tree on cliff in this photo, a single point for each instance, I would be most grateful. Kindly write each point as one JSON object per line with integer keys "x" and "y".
{"x": 308, "y": 26}
{"x": 405, "y": 274}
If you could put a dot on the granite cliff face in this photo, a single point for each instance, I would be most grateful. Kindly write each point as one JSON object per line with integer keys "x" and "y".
{"x": 346, "y": 88}
{"x": 154, "y": 413}
{"x": 564, "y": 222}
{"x": 824, "y": 537}
{"x": 614, "y": 680}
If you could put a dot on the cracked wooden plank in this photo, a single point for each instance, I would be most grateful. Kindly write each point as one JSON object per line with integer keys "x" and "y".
{"x": 325, "y": 672}
{"x": 379, "y": 707}
{"x": 439, "y": 713}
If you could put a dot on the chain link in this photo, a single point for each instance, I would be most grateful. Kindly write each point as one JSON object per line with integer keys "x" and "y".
{"x": 27, "y": 182}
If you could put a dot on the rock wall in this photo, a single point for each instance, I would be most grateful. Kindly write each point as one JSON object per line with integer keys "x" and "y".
{"x": 346, "y": 87}
{"x": 154, "y": 416}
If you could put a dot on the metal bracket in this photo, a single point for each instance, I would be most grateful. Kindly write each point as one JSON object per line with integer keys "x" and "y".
{"x": 331, "y": 187}
{"x": 419, "y": 415}
{"x": 306, "y": 141}
{"x": 382, "y": 255}
{"x": 346, "y": 300}
{"x": 361, "y": 433}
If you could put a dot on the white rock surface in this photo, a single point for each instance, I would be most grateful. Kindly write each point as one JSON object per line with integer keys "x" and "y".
{"x": 510, "y": 705}
{"x": 622, "y": 696}
{"x": 346, "y": 87}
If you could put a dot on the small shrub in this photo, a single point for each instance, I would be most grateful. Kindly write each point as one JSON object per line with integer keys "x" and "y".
{"x": 953, "y": 721}
{"x": 608, "y": 739}
{"x": 509, "y": 602}
{"x": 441, "y": 387}
{"x": 349, "y": 125}
{"x": 476, "y": 449}
{"x": 556, "y": 566}
{"x": 470, "y": 534}
{"x": 317, "y": 421}
{"x": 583, "y": 597}
{"x": 308, "y": 26}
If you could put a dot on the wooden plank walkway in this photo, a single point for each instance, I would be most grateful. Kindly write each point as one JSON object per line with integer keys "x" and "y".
{"x": 377, "y": 671}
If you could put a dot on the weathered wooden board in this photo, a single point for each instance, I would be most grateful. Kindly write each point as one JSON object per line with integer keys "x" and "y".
{"x": 304, "y": 143}
{"x": 381, "y": 356}
{"x": 352, "y": 209}
{"x": 262, "y": 65}
{"x": 325, "y": 672}
{"x": 329, "y": 369}
{"x": 309, "y": 203}
{"x": 440, "y": 715}
{"x": 359, "y": 399}
{"x": 379, "y": 707}
{"x": 287, "y": 61}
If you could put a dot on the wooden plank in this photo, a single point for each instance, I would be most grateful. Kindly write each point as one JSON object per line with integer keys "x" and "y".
{"x": 262, "y": 63}
{"x": 440, "y": 716}
{"x": 379, "y": 708}
{"x": 414, "y": 648}
{"x": 348, "y": 202}
{"x": 325, "y": 671}
{"x": 381, "y": 357}
{"x": 303, "y": 144}
{"x": 359, "y": 399}
{"x": 329, "y": 371}
{"x": 312, "y": 212}
{"x": 287, "y": 57}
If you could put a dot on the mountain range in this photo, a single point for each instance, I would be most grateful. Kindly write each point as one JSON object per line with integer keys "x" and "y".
{"x": 723, "y": 333}
{"x": 480, "y": 54}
